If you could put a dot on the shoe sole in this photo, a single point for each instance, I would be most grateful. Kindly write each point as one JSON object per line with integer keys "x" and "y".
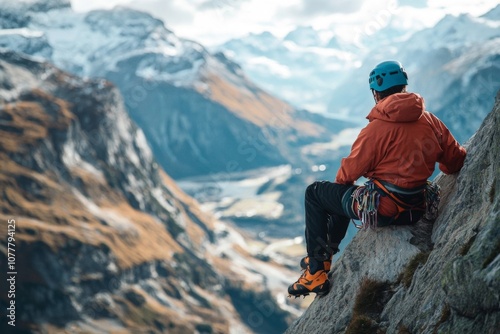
{"x": 307, "y": 292}
{"x": 318, "y": 294}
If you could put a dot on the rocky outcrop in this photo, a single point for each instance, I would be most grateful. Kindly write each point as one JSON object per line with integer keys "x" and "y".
{"x": 435, "y": 277}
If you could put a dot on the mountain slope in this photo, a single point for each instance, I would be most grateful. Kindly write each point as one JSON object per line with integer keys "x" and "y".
{"x": 298, "y": 68}
{"x": 436, "y": 277}
{"x": 188, "y": 126}
{"x": 104, "y": 239}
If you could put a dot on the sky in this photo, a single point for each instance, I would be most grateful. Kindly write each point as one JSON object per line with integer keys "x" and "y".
{"x": 212, "y": 22}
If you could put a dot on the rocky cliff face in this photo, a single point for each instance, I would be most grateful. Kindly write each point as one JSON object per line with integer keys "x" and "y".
{"x": 435, "y": 277}
{"x": 104, "y": 240}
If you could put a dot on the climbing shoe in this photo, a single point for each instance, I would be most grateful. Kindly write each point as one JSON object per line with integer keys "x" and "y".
{"x": 308, "y": 282}
{"x": 304, "y": 262}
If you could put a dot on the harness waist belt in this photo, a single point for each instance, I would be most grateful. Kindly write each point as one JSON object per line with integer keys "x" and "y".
{"x": 405, "y": 191}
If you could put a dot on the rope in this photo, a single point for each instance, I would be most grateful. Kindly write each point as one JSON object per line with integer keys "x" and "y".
{"x": 432, "y": 199}
{"x": 368, "y": 199}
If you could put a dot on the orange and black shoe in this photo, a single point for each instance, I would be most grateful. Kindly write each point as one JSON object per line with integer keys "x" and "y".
{"x": 308, "y": 282}
{"x": 304, "y": 262}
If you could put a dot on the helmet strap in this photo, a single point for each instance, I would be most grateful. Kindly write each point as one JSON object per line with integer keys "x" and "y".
{"x": 374, "y": 93}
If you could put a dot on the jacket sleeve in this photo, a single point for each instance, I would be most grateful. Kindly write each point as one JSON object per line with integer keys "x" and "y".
{"x": 364, "y": 156}
{"x": 453, "y": 157}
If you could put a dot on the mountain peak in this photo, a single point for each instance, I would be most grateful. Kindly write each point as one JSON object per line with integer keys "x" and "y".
{"x": 125, "y": 19}
{"x": 334, "y": 43}
{"x": 493, "y": 14}
{"x": 304, "y": 36}
{"x": 265, "y": 36}
{"x": 454, "y": 32}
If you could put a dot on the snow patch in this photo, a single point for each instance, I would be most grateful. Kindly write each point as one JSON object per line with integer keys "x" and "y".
{"x": 344, "y": 138}
{"x": 72, "y": 159}
{"x": 109, "y": 216}
{"x": 24, "y": 32}
{"x": 159, "y": 196}
{"x": 180, "y": 78}
{"x": 142, "y": 145}
{"x": 267, "y": 64}
{"x": 237, "y": 195}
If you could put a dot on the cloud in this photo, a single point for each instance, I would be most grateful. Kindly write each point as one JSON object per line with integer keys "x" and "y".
{"x": 212, "y": 22}
{"x": 220, "y": 4}
{"x": 413, "y": 3}
{"x": 172, "y": 12}
{"x": 86, "y": 5}
{"x": 312, "y": 8}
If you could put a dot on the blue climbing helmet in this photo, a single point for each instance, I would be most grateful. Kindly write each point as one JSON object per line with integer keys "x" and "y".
{"x": 386, "y": 75}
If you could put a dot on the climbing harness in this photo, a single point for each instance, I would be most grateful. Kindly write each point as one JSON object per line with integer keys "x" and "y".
{"x": 367, "y": 198}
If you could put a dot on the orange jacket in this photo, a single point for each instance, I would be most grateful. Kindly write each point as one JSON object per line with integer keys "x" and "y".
{"x": 401, "y": 145}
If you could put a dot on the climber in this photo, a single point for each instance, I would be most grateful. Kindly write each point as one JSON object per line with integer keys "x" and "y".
{"x": 397, "y": 152}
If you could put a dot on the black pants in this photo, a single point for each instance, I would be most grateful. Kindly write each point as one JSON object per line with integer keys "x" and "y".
{"x": 327, "y": 217}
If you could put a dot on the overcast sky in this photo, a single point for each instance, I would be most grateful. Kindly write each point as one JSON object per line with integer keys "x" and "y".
{"x": 214, "y": 21}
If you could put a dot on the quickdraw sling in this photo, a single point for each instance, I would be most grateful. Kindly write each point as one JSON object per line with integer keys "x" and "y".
{"x": 368, "y": 199}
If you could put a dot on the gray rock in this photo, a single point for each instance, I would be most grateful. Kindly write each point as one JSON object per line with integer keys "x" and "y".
{"x": 456, "y": 289}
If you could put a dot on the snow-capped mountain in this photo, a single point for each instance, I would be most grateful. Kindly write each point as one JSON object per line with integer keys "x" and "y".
{"x": 457, "y": 56}
{"x": 304, "y": 36}
{"x": 105, "y": 241}
{"x": 300, "y": 68}
{"x": 27, "y": 41}
{"x": 453, "y": 65}
{"x": 189, "y": 102}
{"x": 458, "y": 75}
{"x": 493, "y": 14}
{"x": 306, "y": 65}
{"x": 17, "y": 14}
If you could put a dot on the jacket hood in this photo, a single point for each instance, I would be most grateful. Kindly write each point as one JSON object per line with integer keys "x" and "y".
{"x": 401, "y": 107}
